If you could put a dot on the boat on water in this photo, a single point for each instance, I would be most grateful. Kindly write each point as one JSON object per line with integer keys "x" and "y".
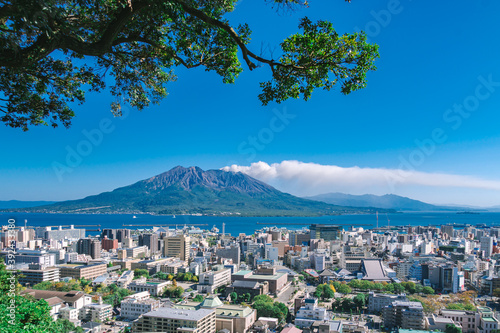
{"x": 134, "y": 217}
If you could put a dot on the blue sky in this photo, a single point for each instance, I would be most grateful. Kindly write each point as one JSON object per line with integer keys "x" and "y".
{"x": 432, "y": 57}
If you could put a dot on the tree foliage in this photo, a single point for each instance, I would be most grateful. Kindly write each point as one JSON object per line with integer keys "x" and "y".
{"x": 53, "y": 52}
{"x": 24, "y": 314}
{"x": 175, "y": 292}
{"x": 266, "y": 307}
{"x": 450, "y": 328}
{"x": 140, "y": 273}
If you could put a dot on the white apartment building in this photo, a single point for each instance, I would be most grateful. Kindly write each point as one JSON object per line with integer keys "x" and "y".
{"x": 125, "y": 279}
{"x": 135, "y": 305}
{"x": 309, "y": 313}
{"x": 96, "y": 312}
{"x": 210, "y": 281}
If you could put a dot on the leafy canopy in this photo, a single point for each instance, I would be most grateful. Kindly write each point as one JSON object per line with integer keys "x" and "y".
{"x": 53, "y": 52}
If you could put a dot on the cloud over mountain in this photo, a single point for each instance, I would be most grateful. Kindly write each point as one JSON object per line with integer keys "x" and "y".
{"x": 302, "y": 178}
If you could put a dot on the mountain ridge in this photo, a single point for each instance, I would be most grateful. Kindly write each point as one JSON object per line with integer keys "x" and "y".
{"x": 192, "y": 190}
{"x": 386, "y": 201}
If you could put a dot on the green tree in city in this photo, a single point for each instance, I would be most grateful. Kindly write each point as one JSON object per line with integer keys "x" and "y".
{"x": 24, "y": 314}
{"x": 428, "y": 290}
{"x": 198, "y": 298}
{"x": 53, "y": 52}
{"x": 138, "y": 273}
{"x": 266, "y": 307}
{"x": 450, "y": 328}
{"x": 234, "y": 297}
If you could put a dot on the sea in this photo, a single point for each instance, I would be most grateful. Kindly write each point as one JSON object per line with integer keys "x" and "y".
{"x": 235, "y": 225}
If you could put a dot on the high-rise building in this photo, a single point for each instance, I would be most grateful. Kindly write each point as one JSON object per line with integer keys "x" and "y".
{"x": 177, "y": 246}
{"x": 109, "y": 233}
{"x": 327, "y": 232}
{"x": 448, "y": 230}
{"x": 121, "y": 234}
{"x": 89, "y": 246}
{"x": 149, "y": 240}
{"x": 487, "y": 245}
{"x": 118, "y": 234}
{"x": 230, "y": 252}
{"x": 406, "y": 315}
{"x": 109, "y": 244}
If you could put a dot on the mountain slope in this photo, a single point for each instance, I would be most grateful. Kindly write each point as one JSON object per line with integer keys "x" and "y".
{"x": 388, "y": 201}
{"x": 194, "y": 191}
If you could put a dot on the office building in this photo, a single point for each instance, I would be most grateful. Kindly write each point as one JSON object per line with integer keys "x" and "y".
{"x": 149, "y": 240}
{"x": 109, "y": 244}
{"x": 154, "y": 288}
{"x": 37, "y": 273}
{"x": 232, "y": 252}
{"x": 407, "y": 315}
{"x": 59, "y": 234}
{"x": 325, "y": 231}
{"x": 85, "y": 271}
{"x": 177, "y": 246}
{"x": 137, "y": 304}
{"x": 89, "y": 246}
{"x": 487, "y": 246}
{"x": 376, "y": 302}
{"x": 210, "y": 281}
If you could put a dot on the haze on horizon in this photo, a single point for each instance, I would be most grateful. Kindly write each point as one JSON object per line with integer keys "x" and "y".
{"x": 427, "y": 120}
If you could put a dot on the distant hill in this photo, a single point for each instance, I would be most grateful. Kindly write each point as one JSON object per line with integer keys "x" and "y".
{"x": 13, "y": 204}
{"x": 194, "y": 191}
{"x": 388, "y": 201}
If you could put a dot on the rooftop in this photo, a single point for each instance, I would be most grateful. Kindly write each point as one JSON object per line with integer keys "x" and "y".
{"x": 181, "y": 314}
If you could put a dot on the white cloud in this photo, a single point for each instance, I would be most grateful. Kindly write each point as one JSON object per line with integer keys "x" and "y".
{"x": 304, "y": 179}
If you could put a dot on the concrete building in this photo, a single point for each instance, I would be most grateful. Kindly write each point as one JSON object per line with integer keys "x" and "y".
{"x": 40, "y": 257}
{"x": 407, "y": 315}
{"x": 137, "y": 252}
{"x": 468, "y": 320}
{"x": 309, "y": 313}
{"x": 85, "y": 271}
{"x": 253, "y": 288}
{"x": 149, "y": 240}
{"x": 109, "y": 244}
{"x": 376, "y": 302}
{"x": 96, "y": 312}
{"x": 135, "y": 305}
{"x": 447, "y": 230}
{"x": 210, "y": 281}
{"x": 171, "y": 320}
{"x": 154, "y": 288}
{"x": 232, "y": 252}
{"x": 277, "y": 281}
{"x": 125, "y": 279}
{"x": 177, "y": 246}
{"x": 89, "y": 246}
{"x": 325, "y": 231}
{"x": 59, "y": 234}
{"x": 487, "y": 246}
{"x": 488, "y": 322}
{"x": 36, "y": 273}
